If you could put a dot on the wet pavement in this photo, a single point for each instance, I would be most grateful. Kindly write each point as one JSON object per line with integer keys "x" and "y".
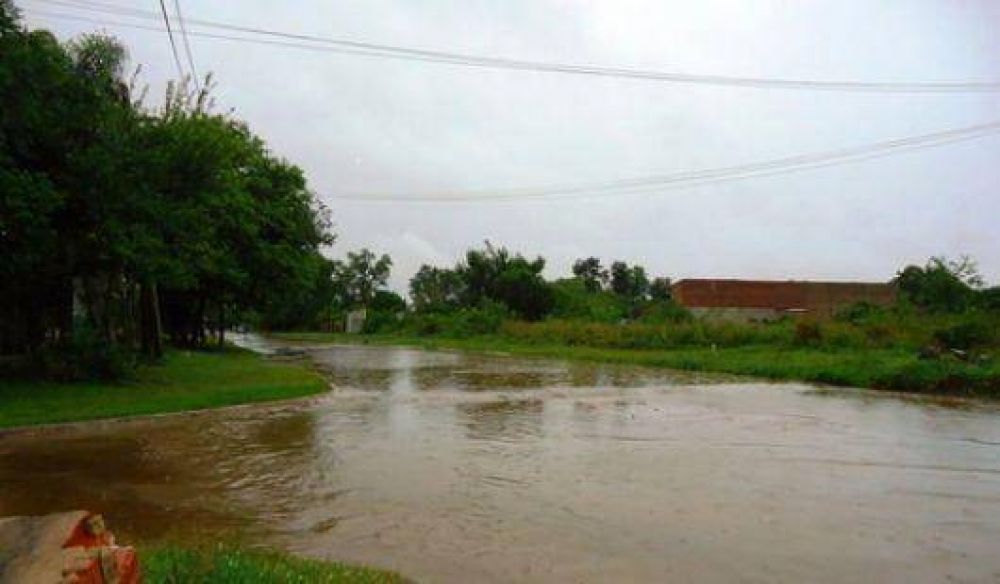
{"x": 454, "y": 467}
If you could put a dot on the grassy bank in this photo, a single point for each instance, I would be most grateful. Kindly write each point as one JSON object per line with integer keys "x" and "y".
{"x": 184, "y": 381}
{"x": 178, "y": 565}
{"x": 898, "y": 369}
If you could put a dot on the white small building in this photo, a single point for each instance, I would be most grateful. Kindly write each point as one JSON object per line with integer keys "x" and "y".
{"x": 354, "y": 322}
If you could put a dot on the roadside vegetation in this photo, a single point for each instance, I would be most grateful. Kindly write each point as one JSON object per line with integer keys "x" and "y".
{"x": 941, "y": 336}
{"x": 133, "y": 236}
{"x": 225, "y": 565}
{"x": 185, "y": 380}
{"x": 125, "y": 228}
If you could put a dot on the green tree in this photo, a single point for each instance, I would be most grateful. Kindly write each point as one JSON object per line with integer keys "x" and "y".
{"x": 523, "y": 290}
{"x": 494, "y": 274}
{"x": 629, "y": 282}
{"x": 590, "y": 272}
{"x": 659, "y": 289}
{"x": 436, "y": 289}
{"x": 114, "y": 218}
{"x": 941, "y": 285}
{"x": 360, "y": 276}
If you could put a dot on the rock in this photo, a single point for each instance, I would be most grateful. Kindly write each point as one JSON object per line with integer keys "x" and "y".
{"x": 72, "y": 547}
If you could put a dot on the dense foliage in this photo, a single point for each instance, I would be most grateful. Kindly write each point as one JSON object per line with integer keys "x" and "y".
{"x": 120, "y": 225}
{"x": 944, "y": 285}
{"x": 941, "y": 336}
{"x": 492, "y": 285}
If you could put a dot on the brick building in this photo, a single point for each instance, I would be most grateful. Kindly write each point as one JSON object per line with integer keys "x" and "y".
{"x": 767, "y": 300}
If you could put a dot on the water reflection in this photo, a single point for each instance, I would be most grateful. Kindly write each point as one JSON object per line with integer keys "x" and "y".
{"x": 502, "y": 420}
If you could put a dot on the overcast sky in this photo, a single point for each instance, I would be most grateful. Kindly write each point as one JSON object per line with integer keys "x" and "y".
{"x": 370, "y": 125}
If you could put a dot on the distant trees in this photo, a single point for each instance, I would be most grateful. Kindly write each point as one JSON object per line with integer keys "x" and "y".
{"x": 488, "y": 275}
{"x": 492, "y": 277}
{"x": 942, "y": 285}
{"x": 360, "y": 277}
{"x": 623, "y": 292}
{"x": 590, "y": 272}
{"x": 494, "y": 274}
{"x": 629, "y": 281}
{"x": 660, "y": 289}
{"x": 436, "y": 289}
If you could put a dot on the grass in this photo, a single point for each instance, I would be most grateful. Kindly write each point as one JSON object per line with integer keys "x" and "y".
{"x": 896, "y": 369}
{"x": 224, "y": 565}
{"x": 184, "y": 381}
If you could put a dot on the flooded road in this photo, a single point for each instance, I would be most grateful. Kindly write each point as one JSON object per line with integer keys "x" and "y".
{"x": 455, "y": 467}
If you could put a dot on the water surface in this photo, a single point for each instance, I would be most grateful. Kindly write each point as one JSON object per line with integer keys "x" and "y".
{"x": 455, "y": 467}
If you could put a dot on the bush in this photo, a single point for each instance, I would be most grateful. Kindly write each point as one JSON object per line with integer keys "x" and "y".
{"x": 844, "y": 336}
{"x": 574, "y": 301}
{"x": 859, "y": 312}
{"x": 645, "y": 336}
{"x": 880, "y": 335}
{"x": 84, "y": 356}
{"x": 525, "y": 292}
{"x": 660, "y": 311}
{"x": 967, "y": 335}
{"x": 381, "y": 321}
{"x": 468, "y": 322}
{"x": 808, "y": 333}
{"x": 945, "y": 377}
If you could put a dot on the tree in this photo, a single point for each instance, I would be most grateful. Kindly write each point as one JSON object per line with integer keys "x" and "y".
{"x": 629, "y": 282}
{"x": 989, "y": 298}
{"x": 388, "y": 301}
{"x": 436, "y": 289}
{"x": 493, "y": 274}
{"x": 941, "y": 285}
{"x": 357, "y": 279}
{"x": 524, "y": 291}
{"x": 10, "y": 17}
{"x": 590, "y": 272}
{"x": 113, "y": 216}
{"x": 659, "y": 289}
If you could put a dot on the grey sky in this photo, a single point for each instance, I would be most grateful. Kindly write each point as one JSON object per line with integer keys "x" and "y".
{"x": 360, "y": 125}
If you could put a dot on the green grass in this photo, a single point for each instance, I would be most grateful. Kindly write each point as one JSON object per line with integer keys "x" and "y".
{"x": 184, "y": 381}
{"x": 222, "y": 565}
{"x": 896, "y": 369}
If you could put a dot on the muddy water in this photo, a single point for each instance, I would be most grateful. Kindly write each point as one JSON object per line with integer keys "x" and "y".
{"x": 463, "y": 468}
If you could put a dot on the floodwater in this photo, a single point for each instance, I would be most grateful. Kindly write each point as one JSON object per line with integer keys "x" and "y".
{"x": 455, "y": 467}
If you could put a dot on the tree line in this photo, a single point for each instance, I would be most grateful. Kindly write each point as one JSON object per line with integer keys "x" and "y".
{"x": 493, "y": 283}
{"x": 122, "y": 225}
{"x": 493, "y": 278}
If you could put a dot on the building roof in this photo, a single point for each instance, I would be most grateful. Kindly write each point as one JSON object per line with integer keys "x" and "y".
{"x": 778, "y": 294}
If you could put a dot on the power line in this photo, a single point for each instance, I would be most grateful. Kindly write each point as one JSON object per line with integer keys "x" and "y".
{"x": 170, "y": 35}
{"x": 663, "y": 182}
{"x": 187, "y": 44}
{"x": 641, "y": 185}
{"x": 470, "y": 60}
{"x": 206, "y": 35}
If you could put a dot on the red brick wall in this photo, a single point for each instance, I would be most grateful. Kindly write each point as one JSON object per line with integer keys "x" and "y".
{"x": 821, "y": 298}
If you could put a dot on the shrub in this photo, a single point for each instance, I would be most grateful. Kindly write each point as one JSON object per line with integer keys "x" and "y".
{"x": 466, "y": 322}
{"x": 966, "y": 335}
{"x": 843, "y": 336}
{"x": 381, "y": 321}
{"x": 84, "y": 356}
{"x": 661, "y": 311}
{"x": 808, "y": 333}
{"x": 574, "y": 301}
{"x": 881, "y": 335}
{"x": 859, "y": 312}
